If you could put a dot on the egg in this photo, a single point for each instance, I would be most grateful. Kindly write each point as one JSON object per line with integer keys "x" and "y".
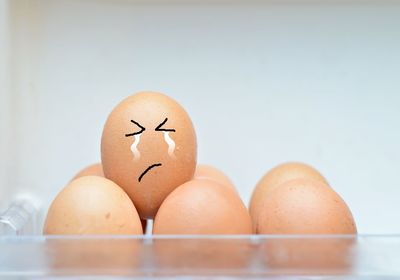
{"x": 204, "y": 171}
{"x": 92, "y": 205}
{"x": 92, "y": 170}
{"x": 149, "y": 148}
{"x": 305, "y": 206}
{"x": 202, "y": 207}
{"x": 97, "y": 170}
{"x": 275, "y": 177}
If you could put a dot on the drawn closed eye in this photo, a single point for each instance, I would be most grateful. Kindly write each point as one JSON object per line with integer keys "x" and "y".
{"x": 160, "y": 128}
{"x": 142, "y": 129}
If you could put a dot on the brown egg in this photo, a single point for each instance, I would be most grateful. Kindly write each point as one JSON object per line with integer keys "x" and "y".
{"x": 92, "y": 170}
{"x": 275, "y": 177}
{"x": 305, "y": 206}
{"x": 148, "y": 148}
{"x": 204, "y": 171}
{"x": 202, "y": 207}
{"x": 92, "y": 205}
{"x": 97, "y": 170}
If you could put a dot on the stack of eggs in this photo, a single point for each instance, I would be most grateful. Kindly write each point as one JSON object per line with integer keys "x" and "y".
{"x": 149, "y": 171}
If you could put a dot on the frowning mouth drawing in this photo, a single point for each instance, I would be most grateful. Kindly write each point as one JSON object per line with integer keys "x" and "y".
{"x": 148, "y": 169}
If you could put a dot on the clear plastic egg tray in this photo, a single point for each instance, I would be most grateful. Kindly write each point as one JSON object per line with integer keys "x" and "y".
{"x": 27, "y": 256}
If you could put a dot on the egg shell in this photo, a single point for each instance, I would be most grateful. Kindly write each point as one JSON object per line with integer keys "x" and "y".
{"x": 275, "y": 177}
{"x": 204, "y": 171}
{"x": 305, "y": 206}
{"x": 92, "y": 205}
{"x": 92, "y": 170}
{"x": 202, "y": 207}
{"x": 97, "y": 170}
{"x": 169, "y": 157}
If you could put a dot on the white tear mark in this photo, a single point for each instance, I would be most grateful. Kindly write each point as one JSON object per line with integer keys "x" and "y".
{"x": 170, "y": 142}
{"x": 136, "y": 153}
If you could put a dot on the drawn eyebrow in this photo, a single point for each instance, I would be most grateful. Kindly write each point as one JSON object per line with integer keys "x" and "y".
{"x": 159, "y": 127}
{"x": 135, "y": 133}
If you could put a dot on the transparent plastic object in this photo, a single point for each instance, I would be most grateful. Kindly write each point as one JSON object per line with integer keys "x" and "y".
{"x": 20, "y": 218}
{"x": 286, "y": 257}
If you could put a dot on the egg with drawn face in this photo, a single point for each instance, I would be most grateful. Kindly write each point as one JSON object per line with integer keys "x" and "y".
{"x": 148, "y": 148}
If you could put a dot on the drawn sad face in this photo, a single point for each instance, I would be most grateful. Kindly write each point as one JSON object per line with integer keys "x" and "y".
{"x": 148, "y": 148}
{"x": 167, "y": 138}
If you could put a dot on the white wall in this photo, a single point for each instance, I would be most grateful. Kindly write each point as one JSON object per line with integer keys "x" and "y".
{"x": 4, "y": 96}
{"x": 264, "y": 83}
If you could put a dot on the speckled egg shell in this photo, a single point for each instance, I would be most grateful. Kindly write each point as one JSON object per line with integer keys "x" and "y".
{"x": 92, "y": 205}
{"x": 204, "y": 171}
{"x": 202, "y": 207}
{"x": 275, "y": 177}
{"x": 305, "y": 206}
{"x": 92, "y": 170}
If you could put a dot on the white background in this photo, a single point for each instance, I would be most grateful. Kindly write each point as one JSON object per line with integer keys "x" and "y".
{"x": 264, "y": 82}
